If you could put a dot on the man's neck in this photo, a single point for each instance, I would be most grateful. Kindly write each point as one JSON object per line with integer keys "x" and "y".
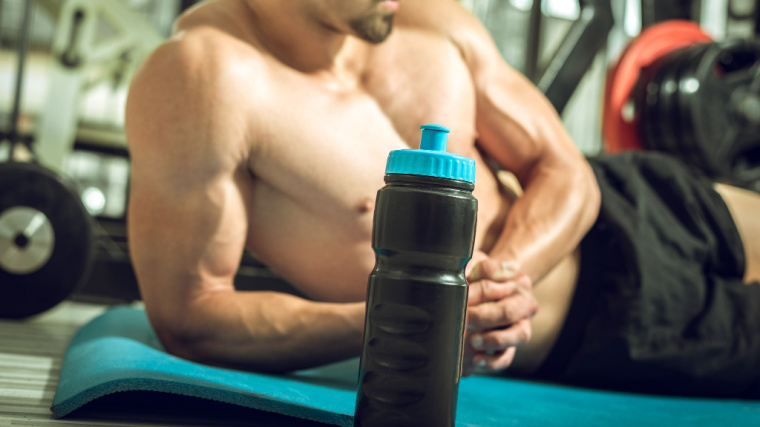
{"x": 303, "y": 40}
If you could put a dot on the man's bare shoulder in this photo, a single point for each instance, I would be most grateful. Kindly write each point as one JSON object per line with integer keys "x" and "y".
{"x": 199, "y": 85}
{"x": 205, "y": 51}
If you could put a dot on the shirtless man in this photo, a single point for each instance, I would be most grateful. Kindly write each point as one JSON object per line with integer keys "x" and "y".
{"x": 265, "y": 125}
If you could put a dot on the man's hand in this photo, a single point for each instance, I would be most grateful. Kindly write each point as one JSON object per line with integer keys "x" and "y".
{"x": 499, "y": 308}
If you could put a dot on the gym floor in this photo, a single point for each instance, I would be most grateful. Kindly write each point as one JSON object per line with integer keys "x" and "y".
{"x": 31, "y": 352}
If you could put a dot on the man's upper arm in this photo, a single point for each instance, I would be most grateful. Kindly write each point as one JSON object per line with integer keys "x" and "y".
{"x": 519, "y": 128}
{"x": 517, "y": 125}
{"x": 187, "y": 211}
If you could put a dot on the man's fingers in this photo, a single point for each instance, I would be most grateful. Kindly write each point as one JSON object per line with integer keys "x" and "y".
{"x": 496, "y": 362}
{"x": 488, "y": 290}
{"x": 493, "y": 350}
{"x": 501, "y": 339}
{"x": 490, "y": 269}
{"x": 484, "y": 291}
{"x": 519, "y": 304}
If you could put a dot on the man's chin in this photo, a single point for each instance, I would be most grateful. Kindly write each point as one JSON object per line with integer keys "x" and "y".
{"x": 375, "y": 32}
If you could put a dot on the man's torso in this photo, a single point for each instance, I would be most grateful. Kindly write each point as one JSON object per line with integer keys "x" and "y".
{"x": 319, "y": 144}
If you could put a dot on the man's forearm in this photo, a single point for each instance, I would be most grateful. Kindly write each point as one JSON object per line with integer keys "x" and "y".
{"x": 558, "y": 207}
{"x": 265, "y": 331}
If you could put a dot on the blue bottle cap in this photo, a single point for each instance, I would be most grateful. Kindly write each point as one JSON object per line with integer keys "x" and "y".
{"x": 431, "y": 159}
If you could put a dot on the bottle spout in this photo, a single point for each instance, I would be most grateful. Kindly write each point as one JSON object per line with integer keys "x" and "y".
{"x": 434, "y": 137}
{"x": 431, "y": 159}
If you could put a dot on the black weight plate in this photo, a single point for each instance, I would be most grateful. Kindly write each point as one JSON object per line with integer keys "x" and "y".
{"x": 28, "y": 291}
{"x": 662, "y": 127}
{"x": 744, "y": 152}
{"x": 669, "y": 119}
{"x": 700, "y": 133}
{"x": 659, "y": 117}
{"x": 682, "y": 130}
{"x": 650, "y": 87}
{"x": 719, "y": 136}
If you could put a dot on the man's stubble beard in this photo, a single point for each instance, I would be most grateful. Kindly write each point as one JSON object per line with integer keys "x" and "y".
{"x": 373, "y": 28}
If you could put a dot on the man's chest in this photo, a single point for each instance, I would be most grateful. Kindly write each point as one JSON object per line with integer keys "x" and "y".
{"x": 326, "y": 144}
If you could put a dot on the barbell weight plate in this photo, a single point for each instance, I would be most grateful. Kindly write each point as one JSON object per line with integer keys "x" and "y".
{"x": 670, "y": 131}
{"x": 659, "y": 82}
{"x": 688, "y": 85}
{"x": 45, "y": 239}
{"x": 26, "y": 240}
{"x": 726, "y": 143}
{"x": 661, "y": 122}
{"x": 678, "y": 120}
{"x": 619, "y": 121}
{"x": 648, "y": 102}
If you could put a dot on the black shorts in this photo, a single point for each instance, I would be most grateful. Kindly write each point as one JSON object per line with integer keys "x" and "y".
{"x": 660, "y": 306}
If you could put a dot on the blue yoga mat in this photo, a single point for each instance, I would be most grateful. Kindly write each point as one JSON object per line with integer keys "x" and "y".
{"x": 118, "y": 352}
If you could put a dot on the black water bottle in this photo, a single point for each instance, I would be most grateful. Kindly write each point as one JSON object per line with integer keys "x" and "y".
{"x": 423, "y": 236}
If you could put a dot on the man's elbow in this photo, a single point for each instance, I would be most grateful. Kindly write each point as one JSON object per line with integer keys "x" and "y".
{"x": 179, "y": 340}
{"x": 182, "y": 336}
{"x": 197, "y": 343}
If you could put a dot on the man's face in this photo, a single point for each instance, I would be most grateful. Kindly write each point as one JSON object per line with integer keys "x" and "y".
{"x": 370, "y": 20}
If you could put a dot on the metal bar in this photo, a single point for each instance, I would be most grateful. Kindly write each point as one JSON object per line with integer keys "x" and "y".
{"x": 532, "y": 46}
{"x": 21, "y": 49}
{"x": 654, "y": 11}
{"x": 648, "y": 12}
{"x": 586, "y": 38}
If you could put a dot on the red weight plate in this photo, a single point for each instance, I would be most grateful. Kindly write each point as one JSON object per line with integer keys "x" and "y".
{"x": 620, "y": 128}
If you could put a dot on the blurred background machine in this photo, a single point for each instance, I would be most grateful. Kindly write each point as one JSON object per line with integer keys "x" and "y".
{"x": 679, "y": 76}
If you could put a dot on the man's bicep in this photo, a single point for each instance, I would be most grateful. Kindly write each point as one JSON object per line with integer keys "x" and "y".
{"x": 185, "y": 243}
{"x": 516, "y": 124}
{"x": 185, "y": 238}
{"x": 518, "y": 127}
